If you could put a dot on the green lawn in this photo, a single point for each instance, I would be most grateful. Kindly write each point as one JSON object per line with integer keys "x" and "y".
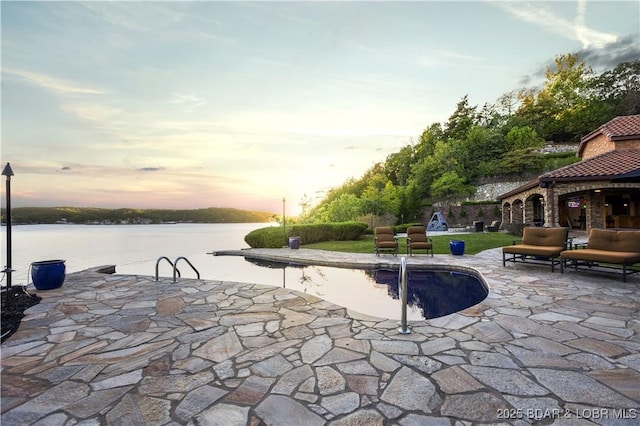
{"x": 474, "y": 243}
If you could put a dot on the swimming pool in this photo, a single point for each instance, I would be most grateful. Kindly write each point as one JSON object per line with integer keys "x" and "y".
{"x": 431, "y": 293}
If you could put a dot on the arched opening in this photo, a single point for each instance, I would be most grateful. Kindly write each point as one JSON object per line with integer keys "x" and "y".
{"x": 537, "y": 207}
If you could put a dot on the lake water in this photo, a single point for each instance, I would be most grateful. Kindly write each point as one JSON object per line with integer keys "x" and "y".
{"x": 134, "y": 249}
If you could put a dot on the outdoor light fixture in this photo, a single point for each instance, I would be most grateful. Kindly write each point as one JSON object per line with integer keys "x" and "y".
{"x": 8, "y": 172}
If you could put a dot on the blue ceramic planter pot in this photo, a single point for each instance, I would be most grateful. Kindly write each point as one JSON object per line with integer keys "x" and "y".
{"x": 48, "y": 274}
{"x": 294, "y": 243}
{"x": 457, "y": 247}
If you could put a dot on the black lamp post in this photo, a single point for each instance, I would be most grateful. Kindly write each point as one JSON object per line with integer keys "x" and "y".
{"x": 8, "y": 172}
{"x": 284, "y": 222}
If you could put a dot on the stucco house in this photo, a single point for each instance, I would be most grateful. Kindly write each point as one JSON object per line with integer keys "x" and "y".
{"x": 600, "y": 191}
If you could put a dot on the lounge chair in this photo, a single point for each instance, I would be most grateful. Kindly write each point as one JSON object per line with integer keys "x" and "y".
{"x": 606, "y": 249}
{"x": 417, "y": 240}
{"x": 385, "y": 240}
{"x": 495, "y": 225}
{"x": 538, "y": 244}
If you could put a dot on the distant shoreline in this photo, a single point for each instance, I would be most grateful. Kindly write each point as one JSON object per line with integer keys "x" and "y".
{"x": 130, "y": 224}
{"x": 130, "y": 216}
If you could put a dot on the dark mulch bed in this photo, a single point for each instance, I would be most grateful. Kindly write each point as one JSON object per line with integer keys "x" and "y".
{"x": 14, "y": 302}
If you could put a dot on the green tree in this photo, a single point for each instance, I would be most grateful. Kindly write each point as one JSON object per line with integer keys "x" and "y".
{"x": 409, "y": 204}
{"x": 461, "y": 121}
{"x": 428, "y": 140}
{"x": 305, "y": 206}
{"x": 520, "y": 138}
{"x": 450, "y": 185}
{"x": 374, "y": 202}
{"x": 397, "y": 167}
{"x": 481, "y": 149}
{"x": 423, "y": 175}
{"x": 561, "y": 110}
{"x": 618, "y": 90}
{"x": 390, "y": 199}
{"x": 345, "y": 208}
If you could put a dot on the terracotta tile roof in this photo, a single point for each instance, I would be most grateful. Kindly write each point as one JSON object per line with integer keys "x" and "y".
{"x": 619, "y": 129}
{"x": 619, "y": 164}
{"x": 611, "y": 165}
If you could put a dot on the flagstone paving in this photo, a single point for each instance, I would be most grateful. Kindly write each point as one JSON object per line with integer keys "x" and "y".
{"x": 543, "y": 348}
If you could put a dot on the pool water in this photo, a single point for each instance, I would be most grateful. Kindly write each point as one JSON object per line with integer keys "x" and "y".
{"x": 430, "y": 293}
{"x": 436, "y": 293}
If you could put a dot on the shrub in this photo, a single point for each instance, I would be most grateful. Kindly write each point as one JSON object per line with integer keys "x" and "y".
{"x": 342, "y": 231}
{"x": 403, "y": 227}
{"x": 273, "y": 236}
{"x": 269, "y": 237}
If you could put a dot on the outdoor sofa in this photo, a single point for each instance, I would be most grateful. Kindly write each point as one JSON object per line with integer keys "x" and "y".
{"x": 538, "y": 245}
{"x": 615, "y": 251}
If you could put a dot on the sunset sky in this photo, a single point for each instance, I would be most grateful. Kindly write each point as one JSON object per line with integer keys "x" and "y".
{"x": 239, "y": 104}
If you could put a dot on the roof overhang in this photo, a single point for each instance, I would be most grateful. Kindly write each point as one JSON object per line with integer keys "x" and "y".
{"x": 580, "y": 179}
{"x": 632, "y": 176}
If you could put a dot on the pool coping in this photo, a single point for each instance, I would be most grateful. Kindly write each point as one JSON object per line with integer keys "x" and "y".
{"x": 364, "y": 262}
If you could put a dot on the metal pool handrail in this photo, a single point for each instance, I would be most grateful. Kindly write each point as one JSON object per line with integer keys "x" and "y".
{"x": 175, "y": 267}
{"x": 170, "y": 263}
{"x": 402, "y": 281}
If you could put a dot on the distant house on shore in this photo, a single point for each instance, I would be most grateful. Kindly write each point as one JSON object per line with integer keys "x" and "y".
{"x": 600, "y": 191}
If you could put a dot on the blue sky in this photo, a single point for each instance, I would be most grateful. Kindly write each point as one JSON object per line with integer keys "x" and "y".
{"x": 239, "y": 104}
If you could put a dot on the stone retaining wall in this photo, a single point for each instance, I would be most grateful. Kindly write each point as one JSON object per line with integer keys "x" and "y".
{"x": 458, "y": 216}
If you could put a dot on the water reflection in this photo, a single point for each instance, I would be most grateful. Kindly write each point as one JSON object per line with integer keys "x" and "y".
{"x": 435, "y": 293}
{"x": 431, "y": 294}
{"x": 305, "y": 279}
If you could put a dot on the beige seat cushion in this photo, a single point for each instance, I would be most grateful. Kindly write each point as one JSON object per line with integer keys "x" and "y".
{"x": 531, "y": 250}
{"x": 547, "y": 242}
{"x": 603, "y": 256}
{"x": 609, "y": 246}
{"x": 387, "y": 244}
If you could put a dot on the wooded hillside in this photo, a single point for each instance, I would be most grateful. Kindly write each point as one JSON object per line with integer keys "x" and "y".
{"x": 494, "y": 140}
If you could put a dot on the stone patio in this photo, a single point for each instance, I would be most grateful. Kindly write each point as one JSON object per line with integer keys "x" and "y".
{"x": 543, "y": 348}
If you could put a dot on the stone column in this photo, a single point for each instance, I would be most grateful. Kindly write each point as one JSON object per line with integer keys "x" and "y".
{"x": 552, "y": 208}
{"x": 596, "y": 211}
